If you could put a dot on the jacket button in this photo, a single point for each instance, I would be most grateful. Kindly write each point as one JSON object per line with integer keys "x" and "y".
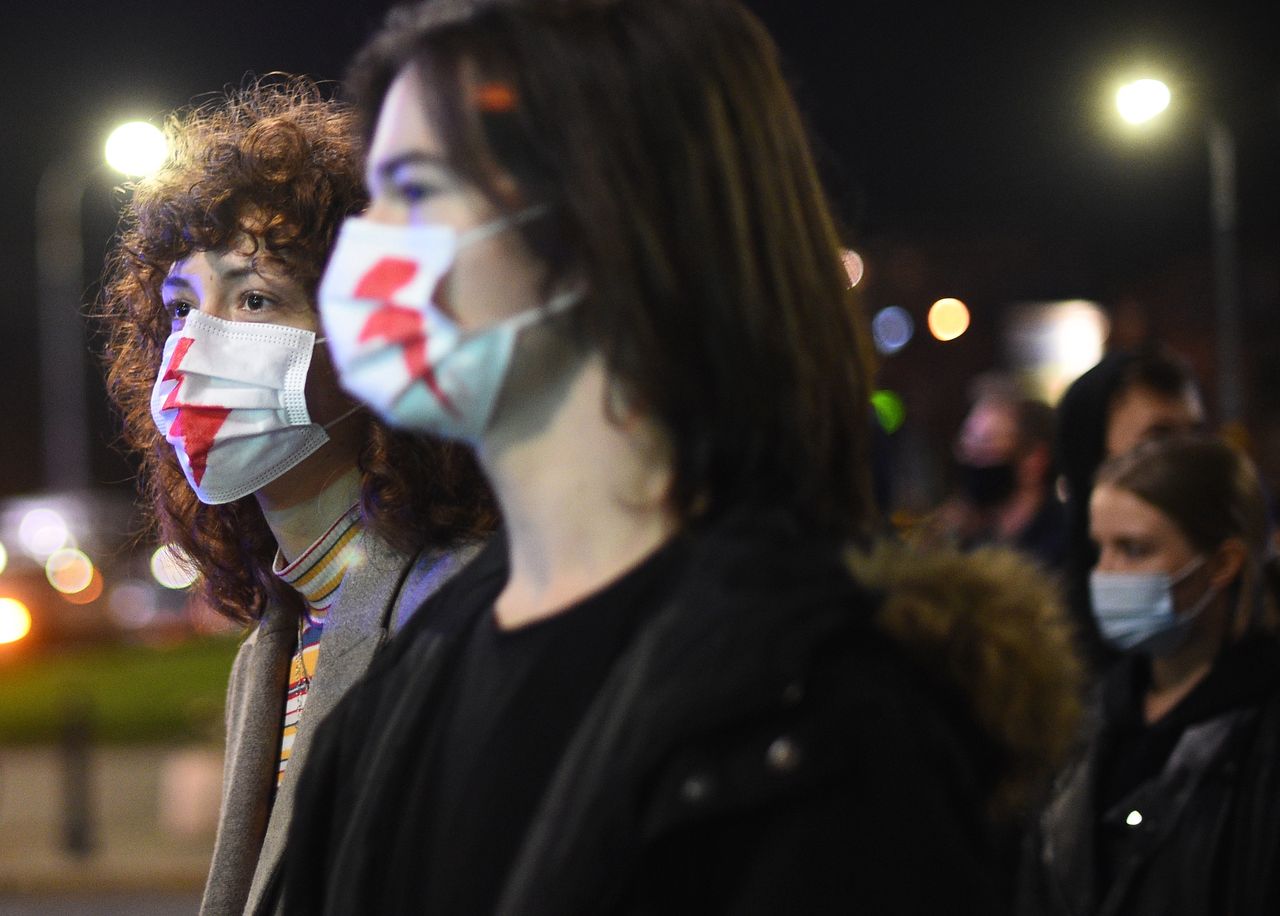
{"x": 696, "y": 788}
{"x": 783, "y": 755}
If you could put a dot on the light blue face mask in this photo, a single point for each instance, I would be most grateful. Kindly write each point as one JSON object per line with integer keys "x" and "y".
{"x": 395, "y": 348}
{"x": 1135, "y": 611}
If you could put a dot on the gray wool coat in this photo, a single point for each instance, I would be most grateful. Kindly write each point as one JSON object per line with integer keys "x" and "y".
{"x": 382, "y": 587}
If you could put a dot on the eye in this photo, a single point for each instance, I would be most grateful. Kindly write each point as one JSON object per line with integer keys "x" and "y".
{"x": 413, "y": 191}
{"x": 178, "y": 309}
{"x": 1134, "y": 550}
{"x": 256, "y": 302}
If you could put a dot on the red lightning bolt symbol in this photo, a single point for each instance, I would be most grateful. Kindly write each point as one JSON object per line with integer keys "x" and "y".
{"x": 397, "y": 323}
{"x": 196, "y": 425}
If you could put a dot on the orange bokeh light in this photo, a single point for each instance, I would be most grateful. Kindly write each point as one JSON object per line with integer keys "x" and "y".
{"x": 15, "y": 620}
{"x": 948, "y": 319}
{"x": 90, "y": 593}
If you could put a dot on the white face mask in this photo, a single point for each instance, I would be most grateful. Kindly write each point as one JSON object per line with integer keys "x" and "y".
{"x": 395, "y": 349}
{"x": 230, "y": 399}
{"x": 1136, "y": 613}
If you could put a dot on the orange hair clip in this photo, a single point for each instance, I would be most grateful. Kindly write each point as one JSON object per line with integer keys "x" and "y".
{"x": 495, "y": 98}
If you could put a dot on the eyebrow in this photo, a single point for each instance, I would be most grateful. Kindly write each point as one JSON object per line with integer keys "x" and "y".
{"x": 230, "y": 273}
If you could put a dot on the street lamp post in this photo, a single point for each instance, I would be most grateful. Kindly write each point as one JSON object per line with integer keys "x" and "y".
{"x": 60, "y": 276}
{"x": 133, "y": 149}
{"x": 1141, "y": 101}
{"x": 1226, "y": 268}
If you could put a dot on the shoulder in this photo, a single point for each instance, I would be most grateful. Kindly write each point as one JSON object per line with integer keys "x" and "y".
{"x": 427, "y": 574}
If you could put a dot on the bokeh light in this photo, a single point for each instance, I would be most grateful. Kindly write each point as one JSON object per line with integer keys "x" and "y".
{"x": 853, "y": 266}
{"x": 890, "y": 410}
{"x": 69, "y": 570}
{"x": 1142, "y": 100}
{"x": 42, "y": 531}
{"x": 15, "y": 620}
{"x": 948, "y": 319}
{"x": 133, "y": 604}
{"x": 136, "y": 148}
{"x": 171, "y": 567}
{"x": 4, "y": 557}
{"x": 892, "y": 329}
{"x": 90, "y": 593}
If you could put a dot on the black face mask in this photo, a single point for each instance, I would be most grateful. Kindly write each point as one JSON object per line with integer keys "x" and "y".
{"x": 987, "y": 485}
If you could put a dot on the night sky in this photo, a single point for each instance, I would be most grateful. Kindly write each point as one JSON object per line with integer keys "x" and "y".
{"x": 955, "y": 122}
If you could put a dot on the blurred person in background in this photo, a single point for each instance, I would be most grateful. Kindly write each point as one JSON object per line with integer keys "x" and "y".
{"x": 307, "y": 518}
{"x": 661, "y": 689}
{"x": 1174, "y": 804}
{"x": 1004, "y": 459}
{"x": 1128, "y": 398}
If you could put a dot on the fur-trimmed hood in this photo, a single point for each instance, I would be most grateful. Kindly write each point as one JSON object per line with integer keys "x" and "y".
{"x": 990, "y": 625}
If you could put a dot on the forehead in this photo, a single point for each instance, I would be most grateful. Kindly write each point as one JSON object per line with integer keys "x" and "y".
{"x": 1140, "y": 412}
{"x": 1114, "y": 511}
{"x": 403, "y": 132}
{"x": 230, "y": 268}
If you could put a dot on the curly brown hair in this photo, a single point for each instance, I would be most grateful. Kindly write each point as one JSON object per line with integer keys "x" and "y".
{"x": 279, "y": 161}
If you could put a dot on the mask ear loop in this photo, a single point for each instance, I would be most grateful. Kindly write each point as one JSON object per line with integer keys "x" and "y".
{"x": 332, "y": 423}
{"x": 356, "y": 409}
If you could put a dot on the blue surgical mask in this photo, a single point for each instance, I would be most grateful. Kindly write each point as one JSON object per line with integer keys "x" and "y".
{"x": 1136, "y": 613}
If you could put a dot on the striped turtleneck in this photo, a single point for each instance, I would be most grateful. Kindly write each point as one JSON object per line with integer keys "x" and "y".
{"x": 316, "y": 575}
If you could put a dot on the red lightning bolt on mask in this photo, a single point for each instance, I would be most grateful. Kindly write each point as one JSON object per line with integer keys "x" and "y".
{"x": 195, "y": 425}
{"x": 398, "y": 324}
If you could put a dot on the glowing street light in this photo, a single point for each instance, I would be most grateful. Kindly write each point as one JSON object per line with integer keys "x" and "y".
{"x": 136, "y": 148}
{"x": 1142, "y": 100}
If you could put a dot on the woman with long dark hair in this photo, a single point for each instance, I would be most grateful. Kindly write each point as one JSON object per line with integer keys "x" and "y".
{"x": 596, "y": 251}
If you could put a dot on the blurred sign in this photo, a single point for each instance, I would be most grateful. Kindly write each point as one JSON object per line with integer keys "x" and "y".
{"x": 1050, "y": 344}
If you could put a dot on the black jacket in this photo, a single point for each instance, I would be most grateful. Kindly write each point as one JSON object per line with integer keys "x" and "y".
{"x": 761, "y": 747}
{"x": 1201, "y": 835}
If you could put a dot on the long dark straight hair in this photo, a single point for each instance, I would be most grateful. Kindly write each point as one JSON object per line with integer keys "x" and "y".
{"x": 679, "y": 185}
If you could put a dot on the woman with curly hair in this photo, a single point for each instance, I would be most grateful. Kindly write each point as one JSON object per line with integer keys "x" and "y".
{"x": 304, "y": 514}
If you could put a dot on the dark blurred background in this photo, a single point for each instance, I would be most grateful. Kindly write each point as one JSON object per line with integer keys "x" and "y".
{"x": 971, "y": 150}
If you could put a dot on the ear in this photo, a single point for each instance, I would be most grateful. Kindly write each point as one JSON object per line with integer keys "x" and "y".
{"x": 1227, "y": 562}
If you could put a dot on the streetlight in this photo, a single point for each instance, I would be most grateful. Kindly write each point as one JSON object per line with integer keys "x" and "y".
{"x": 1142, "y": 100}
{"x": 134, "y": 149}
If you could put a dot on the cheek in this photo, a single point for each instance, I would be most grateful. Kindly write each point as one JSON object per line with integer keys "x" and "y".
{"x": 326, "y": 400}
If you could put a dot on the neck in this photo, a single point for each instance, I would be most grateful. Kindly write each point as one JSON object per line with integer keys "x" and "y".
{"x": 299, "y": 523}
{"x": 1175, "y": 675}
{"x": 582, "y": 498}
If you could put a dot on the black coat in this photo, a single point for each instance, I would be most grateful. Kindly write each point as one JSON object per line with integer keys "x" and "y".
{"x": 1201, "y": 836}
{"x": 760, "y": 747}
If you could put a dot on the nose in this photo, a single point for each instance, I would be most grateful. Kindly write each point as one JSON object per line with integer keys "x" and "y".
{"x": 381, "y": 210}
{"x": 1107, "y": 561}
